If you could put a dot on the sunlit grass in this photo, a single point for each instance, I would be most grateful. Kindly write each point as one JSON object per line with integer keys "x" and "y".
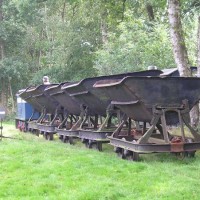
{"x": 33, "y": 168}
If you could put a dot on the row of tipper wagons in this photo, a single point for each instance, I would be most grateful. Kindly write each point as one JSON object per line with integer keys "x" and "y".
{"x": 131, "y": 111}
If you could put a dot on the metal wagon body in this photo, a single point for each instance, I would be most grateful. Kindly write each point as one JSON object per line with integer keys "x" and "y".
{"x": 71, "y": 109}
{"x": 26, "y": 112}
{"x": 27, "y": 95}
{"x": 96, "y": 105}
{"x": 161, "y": 101}
{"x": 34, "y": 95}
{"x": 52, "y": 113}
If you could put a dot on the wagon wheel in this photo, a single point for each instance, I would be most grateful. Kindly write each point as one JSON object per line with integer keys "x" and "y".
{"x": 88, "y": 144}
{"x": 32, "y": 131}
{"x": 117, "y": 149}
{"x": 180, "y": 155}
{"x": 99, "y": 146}
{"x": 49, "y": 136}
{"x": 128, "y": 154}
{"x": 60, "y": 137}
{"x": 37, "y": 133}
{"x": 65, "y": 139}
{"x": 135, "y": 156}
{"x": 190, "y": 154}
{"x": 71, "y": 140}
{"x": 25, "y": 128}
{"x": 44, "y": 135}
{"x": 83, "y": 140}
{"x": 121, "y": 154}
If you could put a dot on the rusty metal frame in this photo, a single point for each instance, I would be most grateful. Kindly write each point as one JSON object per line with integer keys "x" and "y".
{"x": 143, "y": 144}
{"x": 49, "y": 127}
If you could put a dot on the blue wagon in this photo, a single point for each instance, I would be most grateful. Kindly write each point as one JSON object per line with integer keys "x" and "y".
{"x": 25, "y": 113}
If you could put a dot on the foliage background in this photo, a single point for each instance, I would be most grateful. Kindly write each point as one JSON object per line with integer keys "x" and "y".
{"x": 73, "y": 39}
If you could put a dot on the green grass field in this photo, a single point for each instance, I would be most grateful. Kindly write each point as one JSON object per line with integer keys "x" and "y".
{"x": 33, "y": 168}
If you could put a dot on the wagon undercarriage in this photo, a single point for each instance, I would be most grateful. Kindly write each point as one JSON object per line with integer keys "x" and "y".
{"x": 156, "y": 137}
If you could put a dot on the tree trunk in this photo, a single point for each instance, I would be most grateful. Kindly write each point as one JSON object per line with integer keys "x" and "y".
{"x": 104, "y": 32}
{"x": 195, "y": 110}
{"x": 2, "y": 55}
{"x": 177, "y": 38}
{"x": 179, "y": 50}
{"x": 63, "y": 12}
{"x": 194, "y": 116}
{"x": 1, "y": 40}
{"x": 150, "y": 12}
{"x": 198, "y": 48}
{"x": 104, "y": 27}
{"x": 11, "y": 95}
{"x": 123, "y": 9}
{"x": 3, "y": 93}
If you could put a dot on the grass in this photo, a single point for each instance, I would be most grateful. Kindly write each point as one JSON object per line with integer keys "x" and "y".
{"x": 32, "y": 168}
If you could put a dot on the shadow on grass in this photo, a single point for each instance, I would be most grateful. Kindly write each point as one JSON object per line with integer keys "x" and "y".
{"x": 167, "y": 158}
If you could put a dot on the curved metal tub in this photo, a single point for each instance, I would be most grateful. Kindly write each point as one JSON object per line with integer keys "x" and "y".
{"x": 161, "y": 101}
{"x": 97, "y": 103}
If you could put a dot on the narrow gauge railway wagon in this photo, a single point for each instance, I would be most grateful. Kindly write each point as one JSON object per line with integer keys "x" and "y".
{"x": 97, "y": 122}
{"x": 161, "y": 101}
{"x": 52, "y": 113}
{"x": 67, "y": 130}
{"x": 27, "y": 95}
{"x": 26, "y": 113}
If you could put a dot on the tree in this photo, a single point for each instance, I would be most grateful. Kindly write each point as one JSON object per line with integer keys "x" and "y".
{"x": 134, "y": 45}
{"x": 198, "y": 48}
{"x": 74, "y": 39}
{"x": 1, "y": 39}
{"x": 11, "y": 32}
{"x": 195, "y": 110}
{"x": 180, "y": 50}
{"x": 177, "y": 38}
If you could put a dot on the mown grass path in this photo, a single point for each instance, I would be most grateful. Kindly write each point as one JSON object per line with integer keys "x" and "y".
{"x": 32, "y": 168}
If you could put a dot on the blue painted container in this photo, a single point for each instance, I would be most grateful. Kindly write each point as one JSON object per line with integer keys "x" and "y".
{"x": 25, "y": 110}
